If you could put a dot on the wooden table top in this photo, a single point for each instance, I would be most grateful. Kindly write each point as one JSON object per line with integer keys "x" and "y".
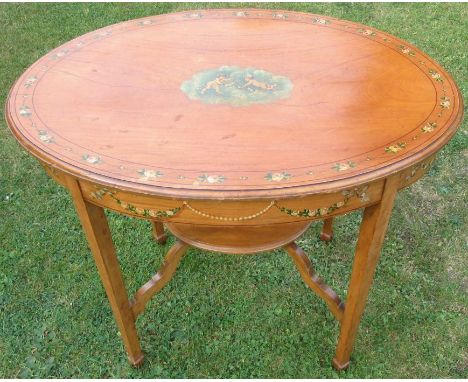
{"x": 234, "y": 104}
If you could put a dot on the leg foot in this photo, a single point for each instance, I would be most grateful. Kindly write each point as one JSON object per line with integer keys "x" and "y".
{"x": 136, "y": 362}
{"x": 158, "y": 232}
{"x": 339, "y": 366}
{"x": 327, "y": 230}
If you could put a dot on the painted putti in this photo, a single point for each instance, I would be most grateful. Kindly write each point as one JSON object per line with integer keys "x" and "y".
{"x": 237, "y": 86}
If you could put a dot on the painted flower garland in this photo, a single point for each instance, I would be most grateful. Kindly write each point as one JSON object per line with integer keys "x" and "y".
{"x": 359, "y": 192}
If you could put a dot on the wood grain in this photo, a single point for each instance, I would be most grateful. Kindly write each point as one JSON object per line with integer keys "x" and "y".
{"x": 158, "y": 232}
{"x": 327, "y": 230}
{"x": 371, "y": 236}
{"x": 97, "y": 231}
{"x": 238, "y": 239}
{"x": 100, "y": 108}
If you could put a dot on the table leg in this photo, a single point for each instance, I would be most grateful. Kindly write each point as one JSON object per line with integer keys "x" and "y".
{"x": 97, "y": 231}
{"x": 371, "y": 235}
{"x": 158, "y": 232}
{"x": 327, "y": 230}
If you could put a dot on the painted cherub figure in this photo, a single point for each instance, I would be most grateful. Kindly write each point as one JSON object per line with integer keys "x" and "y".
{"x": 215, "y": 84}
{"x": 251, "y": 81}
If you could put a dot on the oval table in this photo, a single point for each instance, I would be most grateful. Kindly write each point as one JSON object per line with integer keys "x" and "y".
{"x": 235, "y": 129}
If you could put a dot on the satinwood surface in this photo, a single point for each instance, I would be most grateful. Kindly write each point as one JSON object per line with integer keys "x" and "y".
{"x": 234, "y": 104}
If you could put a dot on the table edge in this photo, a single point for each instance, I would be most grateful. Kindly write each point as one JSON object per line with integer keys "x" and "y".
{"x": 259, "y": 193}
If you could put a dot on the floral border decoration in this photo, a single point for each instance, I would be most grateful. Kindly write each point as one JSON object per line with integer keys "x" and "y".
{"x": 277, "y": 176}
{"x": 34, "y": 75}
{"x": 419, "y": 166}
{"x": 146, "y": 212}
{"x": 359, "y": 192}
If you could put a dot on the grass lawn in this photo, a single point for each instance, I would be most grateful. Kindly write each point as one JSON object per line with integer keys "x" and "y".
{"x": 231, "y": 316}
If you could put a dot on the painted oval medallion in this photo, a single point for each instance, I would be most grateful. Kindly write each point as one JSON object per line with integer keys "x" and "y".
{"x": 237, "y": 86}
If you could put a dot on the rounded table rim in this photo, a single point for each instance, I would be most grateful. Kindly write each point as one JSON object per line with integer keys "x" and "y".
{"x": 283, "y": 191}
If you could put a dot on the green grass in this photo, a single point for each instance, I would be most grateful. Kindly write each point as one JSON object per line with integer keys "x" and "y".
{"x": 228, "y": 316}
